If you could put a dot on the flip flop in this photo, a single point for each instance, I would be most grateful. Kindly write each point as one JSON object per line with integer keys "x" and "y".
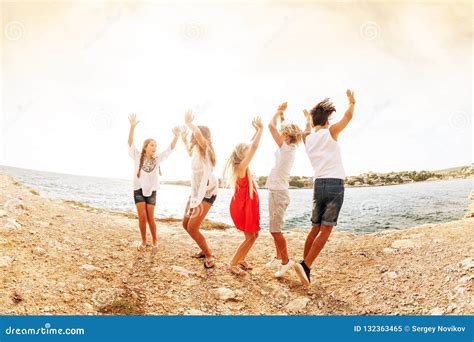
{"x": 209, "y": 262}
{"x": 245, "y": 266}
{"x": 141, "y": 248}
{"x": 236, "y": 270}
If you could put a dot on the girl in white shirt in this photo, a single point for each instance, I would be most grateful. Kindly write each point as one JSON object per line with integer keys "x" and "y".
{"x": 204, "y": 185}
{"x": 146, "y": 180}
{"x": 287, "y": 139}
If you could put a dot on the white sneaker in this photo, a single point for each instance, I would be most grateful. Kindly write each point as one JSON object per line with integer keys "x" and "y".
{"x": 273, "y": 263}
{"x": 282, "y": 269}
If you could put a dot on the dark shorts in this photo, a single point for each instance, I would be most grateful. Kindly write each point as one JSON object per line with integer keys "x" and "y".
{"x": 138, "y": 196}
{"x": 210, "y": 200}
{"x": 328, "y": 197}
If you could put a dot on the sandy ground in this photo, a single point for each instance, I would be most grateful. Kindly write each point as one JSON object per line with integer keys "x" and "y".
{"x": 59, "y": 257}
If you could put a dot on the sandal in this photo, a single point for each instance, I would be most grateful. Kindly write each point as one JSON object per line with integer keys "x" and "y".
{"x": 154, "y": 249}
{"x": 236, "y": 270}
{"x": 245, "y": 266}
{"x": 209, "y": 262}
{"x": 141, "y": 248}
{"x": 199, "y": 255}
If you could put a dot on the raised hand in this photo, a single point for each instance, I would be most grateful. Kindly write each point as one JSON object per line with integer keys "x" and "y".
{"x": 350, "y": 96}
{"x": 133, "y": 120}
{"x": 257, "y": 123}
{"x": 176, "y": 130}
{"x": 306, "y": 113}
{"x": 184, "y": 132}
{"x": 188, "y": 117}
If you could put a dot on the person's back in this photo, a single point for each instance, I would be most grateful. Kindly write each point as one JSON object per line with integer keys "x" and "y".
{"x": 324, "y": 154}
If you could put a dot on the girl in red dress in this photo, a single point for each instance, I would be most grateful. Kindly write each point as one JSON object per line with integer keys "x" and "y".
{"x": 244, "y": 207}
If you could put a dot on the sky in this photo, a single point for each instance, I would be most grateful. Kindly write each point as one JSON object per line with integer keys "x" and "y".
{"x": 72, "y": 72}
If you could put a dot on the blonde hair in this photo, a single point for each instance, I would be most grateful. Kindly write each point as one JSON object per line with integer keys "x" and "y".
{"x": 206, "y": 133}
{"x": 142, "y": 155}
{"x": 293, "y": 132}
{"x": 232, "y": 165}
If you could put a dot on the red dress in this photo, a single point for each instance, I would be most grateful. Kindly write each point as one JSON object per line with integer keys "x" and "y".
{"x": 245, "y": 211}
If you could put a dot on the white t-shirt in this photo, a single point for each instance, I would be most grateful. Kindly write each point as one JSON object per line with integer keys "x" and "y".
{"x": 149, "y": 175}
{"x": 324, "y": 154}
{"x": 203, "y": 182}
{"x": 280, "y": 175}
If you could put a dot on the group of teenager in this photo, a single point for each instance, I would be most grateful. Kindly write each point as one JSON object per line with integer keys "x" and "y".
{"x": 321, "y": 144}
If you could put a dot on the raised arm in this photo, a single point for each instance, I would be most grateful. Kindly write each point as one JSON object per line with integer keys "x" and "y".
{"x": 272, "y": 126}
{"x": 307, "y": 130}
{"x": 257, "y": 124}
{"x": 176, "y": 132}
{"x": 188, "y": 119}
{"x": 184, "y": 137}
{"x": 133, "y": 123}
{"x": 339, "y": 126}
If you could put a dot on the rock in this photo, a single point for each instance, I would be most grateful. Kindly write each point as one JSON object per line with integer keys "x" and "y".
{"x": 392, "y": 275}
{"x": 298, "y": 304}
{"x": 67, "y": 298}
{"x": 11, "y": 224}
{"x": 3, "y": 241}
{"x": 90, "y": 268}
{"x": 5, "y": 261}
{"x": 468, "y": 263}
{"x": 223, "y": 293}
{"x": 181, "y": 270}
{"x": 195, "y": 312}
{"x": 3, "y": 213}
{"x": 389, "y": 250}
{"x": 88, "y": 307}
{"x": 39, "y": 251}
{"x": 436, "y": 311}
{"x": 404, "y": 243}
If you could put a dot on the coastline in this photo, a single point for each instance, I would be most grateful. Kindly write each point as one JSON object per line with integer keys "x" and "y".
{"x": 65, "y": 257}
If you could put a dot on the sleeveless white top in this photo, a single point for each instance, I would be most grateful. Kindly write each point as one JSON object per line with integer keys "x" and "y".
{"x": 280, "y": 174}
{"x": 203, "y": 182}
{"x": 324, "y": 154}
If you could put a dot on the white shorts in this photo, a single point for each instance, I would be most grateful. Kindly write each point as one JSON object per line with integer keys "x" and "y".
{"x": 278, "y": 201}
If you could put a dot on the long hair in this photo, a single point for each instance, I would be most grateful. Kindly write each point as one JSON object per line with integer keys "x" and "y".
{"x": 230, "y": 169}
{"x": 143, "y": 154}
{"x": 206, "y": 133}
{"x": 321, "y": 112}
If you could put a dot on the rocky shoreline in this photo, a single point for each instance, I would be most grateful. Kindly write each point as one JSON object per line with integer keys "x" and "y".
{"x": 61, "y": 257}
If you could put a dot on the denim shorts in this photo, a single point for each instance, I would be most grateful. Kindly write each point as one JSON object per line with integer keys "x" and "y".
{"x": 138, "y": 197}
{"x": 328, "y": 196}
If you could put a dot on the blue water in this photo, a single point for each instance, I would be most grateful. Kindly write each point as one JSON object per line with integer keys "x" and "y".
{"x": 365, "y": 209}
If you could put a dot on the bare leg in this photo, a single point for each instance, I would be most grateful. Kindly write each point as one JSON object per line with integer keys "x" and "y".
{"x": 313, "y": 233}
{"x": 318, "y": 245}
{"x": 244, "y": 248}
{"x": 150, "y": 213}
{"x": 142, "y": 220}
{"x": 194, "y": 223}
{"x": 280, "y": 244}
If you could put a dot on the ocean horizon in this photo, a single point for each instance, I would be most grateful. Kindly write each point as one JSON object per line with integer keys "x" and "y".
{"x": 365, "y": 209}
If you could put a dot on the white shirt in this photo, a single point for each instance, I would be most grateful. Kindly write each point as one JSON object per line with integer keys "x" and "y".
{"x": 149, "y": 175}
{"x": 324, "y": 154}
{"x": 280, "y": 174}
{"x": 203, "y": 182}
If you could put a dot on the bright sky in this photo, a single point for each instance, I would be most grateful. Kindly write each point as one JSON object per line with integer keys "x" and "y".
{"x": 73, "y": 71}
